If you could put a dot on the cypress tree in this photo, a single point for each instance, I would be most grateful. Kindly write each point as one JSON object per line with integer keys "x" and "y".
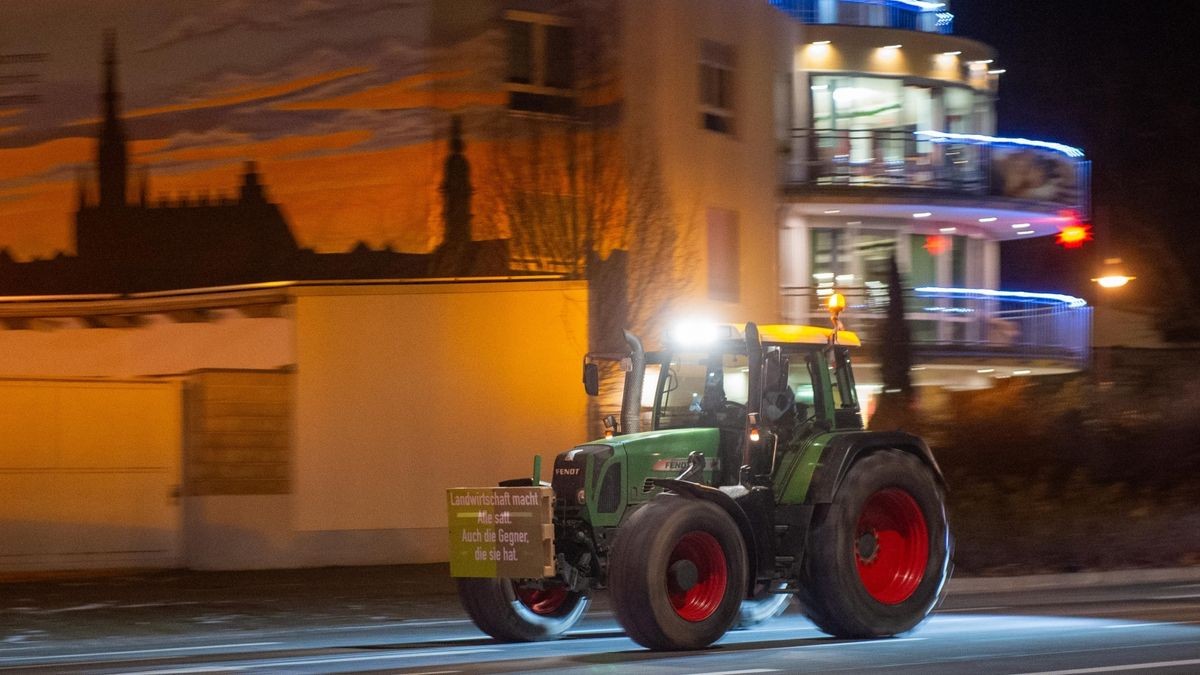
{"x": 896, "y": 351}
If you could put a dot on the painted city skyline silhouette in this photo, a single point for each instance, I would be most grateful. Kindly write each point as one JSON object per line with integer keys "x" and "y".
{"x": 135, "y": 243}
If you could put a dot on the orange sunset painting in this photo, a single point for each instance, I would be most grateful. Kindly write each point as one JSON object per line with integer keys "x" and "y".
{"x": 156, "y": 144}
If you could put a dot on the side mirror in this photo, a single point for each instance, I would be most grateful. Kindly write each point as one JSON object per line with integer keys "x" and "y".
{"x": 591, "y": 379}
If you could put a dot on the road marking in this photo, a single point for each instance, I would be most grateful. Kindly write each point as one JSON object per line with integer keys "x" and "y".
{"x": 889, "y": 641}
{"x": 1149, "y": 624}
{"x": 1111, "y": 669}
{"x": 183, "y": 670}
{"x": 373, "y": 657}
{"x": 737, "y": 672}
{"x": 130, "y": 652}
{"x": 77, "y": 608}
{"x": 1187, "y": 596}
{"x": 788, "y": 630}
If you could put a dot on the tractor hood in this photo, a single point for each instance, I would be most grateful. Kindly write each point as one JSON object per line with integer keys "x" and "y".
{"x": 604, "y": 477}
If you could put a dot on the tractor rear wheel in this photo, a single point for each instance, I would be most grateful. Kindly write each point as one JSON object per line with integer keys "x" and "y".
{"x": 878, "y": 558}
{"x": 678, "y": 573}
{"x": 514, "y": 611}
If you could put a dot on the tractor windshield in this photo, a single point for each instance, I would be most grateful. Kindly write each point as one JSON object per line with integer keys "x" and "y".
{"x": 702, "y": 390}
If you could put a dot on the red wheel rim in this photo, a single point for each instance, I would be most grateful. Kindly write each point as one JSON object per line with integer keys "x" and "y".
{"x": 701, "y": 556}
{"x": 891, "y": 546}
{"x": 542, "y": 601}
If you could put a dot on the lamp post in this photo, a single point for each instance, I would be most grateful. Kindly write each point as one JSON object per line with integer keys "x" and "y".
{"x": 1112, "y": 278}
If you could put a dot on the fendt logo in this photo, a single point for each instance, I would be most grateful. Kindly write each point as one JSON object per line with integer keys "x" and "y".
{"x": 567, "y": 472}
{"x": 681, "y": 463}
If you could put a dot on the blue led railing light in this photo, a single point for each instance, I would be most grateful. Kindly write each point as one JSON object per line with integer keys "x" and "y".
{"x": 1048, "y": 298}
{"x": 923, "y": 6}
{"x": 944, "y": 137}
{"x": 944, "y": 16}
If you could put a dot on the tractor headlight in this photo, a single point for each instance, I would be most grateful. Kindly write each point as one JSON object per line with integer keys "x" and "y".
{"x": 580, "y": 496}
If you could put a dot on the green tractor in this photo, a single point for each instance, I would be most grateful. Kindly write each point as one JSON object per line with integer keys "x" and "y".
{"x": 755, "y": 483}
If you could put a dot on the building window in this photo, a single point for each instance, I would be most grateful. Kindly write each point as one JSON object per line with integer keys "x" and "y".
{"x": 716, "y": 87}
{"x": 723, "y": 255}
{"x": 541, "y": 63}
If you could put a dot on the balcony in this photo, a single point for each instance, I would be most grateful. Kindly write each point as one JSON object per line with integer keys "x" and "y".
{"x": 977, "y": 326}
{"x": 932, "y": 17}
{"x": 969, "y": 168}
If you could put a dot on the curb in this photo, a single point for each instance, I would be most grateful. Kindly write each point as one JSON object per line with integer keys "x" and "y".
{"x": 1073, "y": 580}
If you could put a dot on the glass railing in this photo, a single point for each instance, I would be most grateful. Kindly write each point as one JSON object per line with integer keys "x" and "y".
{"x": 962, "y": 322}
{"x": 1013, "y": 168}
{"x": 931, "y": 17}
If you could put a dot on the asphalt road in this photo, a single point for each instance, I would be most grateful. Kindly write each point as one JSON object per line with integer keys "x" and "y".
{"x": 282, "y": 623}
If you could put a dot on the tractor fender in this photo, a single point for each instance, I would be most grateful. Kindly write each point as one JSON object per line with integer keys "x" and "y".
{"x": 690, "y": 490}
{"x": 842, "y": 452}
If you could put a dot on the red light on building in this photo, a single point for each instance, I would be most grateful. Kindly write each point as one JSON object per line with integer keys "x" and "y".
{"x": 937, "y": 244}
{"x": 1073, "y": 235}
{"x": 1072, "y": 232}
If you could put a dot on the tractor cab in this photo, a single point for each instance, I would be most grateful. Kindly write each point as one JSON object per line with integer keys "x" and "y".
{"x": 773, "y": 383}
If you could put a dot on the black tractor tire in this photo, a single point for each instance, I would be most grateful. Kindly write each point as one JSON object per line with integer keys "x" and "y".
{"x": 506, "y": 611}
{"x": 677, "y": 573}
{"x": 761, "y": 608}
{"x": 878, "y": 558}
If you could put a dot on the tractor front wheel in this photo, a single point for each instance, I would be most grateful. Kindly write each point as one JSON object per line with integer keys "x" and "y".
{"x": 515, "y": 611}
{"x": 879, "y": 556}
{"x": 678, "y": 574}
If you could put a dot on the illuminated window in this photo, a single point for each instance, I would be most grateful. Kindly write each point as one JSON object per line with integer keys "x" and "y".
{"x": 832, "y": 259}
{"x": 716, "y": 87}
{"x": 541, "y": 63}
{"x": 723, "y": 268}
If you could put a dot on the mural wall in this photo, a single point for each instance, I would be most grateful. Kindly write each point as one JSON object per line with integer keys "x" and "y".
{"x": 148, "y": 144}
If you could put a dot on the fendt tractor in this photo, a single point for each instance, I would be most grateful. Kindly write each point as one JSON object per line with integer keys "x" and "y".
{"x": 755, "y": 483}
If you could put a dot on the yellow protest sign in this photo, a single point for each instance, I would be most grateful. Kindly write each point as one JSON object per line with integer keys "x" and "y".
{"x": 501, "y": 532}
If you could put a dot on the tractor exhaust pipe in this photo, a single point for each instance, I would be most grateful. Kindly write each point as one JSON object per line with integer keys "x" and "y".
{"x": 631, "y": 396}
{"x": 754, "y": 384}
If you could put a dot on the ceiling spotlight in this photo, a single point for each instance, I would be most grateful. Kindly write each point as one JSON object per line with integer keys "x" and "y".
{"x": 947, "y": 230}
{"x": 820, "y": 43}
{"x": 923, "y": 214}
{"x": 1025, "y": 232}
{"x": 1020, "y": 226}
{"x": 891, "y": 46}
{"x": 987, "y": 220}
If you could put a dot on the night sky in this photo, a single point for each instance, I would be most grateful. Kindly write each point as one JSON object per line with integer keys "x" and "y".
{"x": 1119, "y": 80}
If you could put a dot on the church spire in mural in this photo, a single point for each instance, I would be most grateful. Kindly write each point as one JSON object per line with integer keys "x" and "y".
{"x": 111, "y": 160}
{"x": 455, "y": 256}
{"x": 456, "y": 189}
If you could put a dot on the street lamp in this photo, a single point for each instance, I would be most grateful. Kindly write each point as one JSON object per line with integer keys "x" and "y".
{"x": 1113, "y": 275}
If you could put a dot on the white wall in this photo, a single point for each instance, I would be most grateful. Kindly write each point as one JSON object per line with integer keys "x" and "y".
{"x": 703, "y": 169}
{"x": 65, "y": 348}
{"x": 404, "y": 391}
